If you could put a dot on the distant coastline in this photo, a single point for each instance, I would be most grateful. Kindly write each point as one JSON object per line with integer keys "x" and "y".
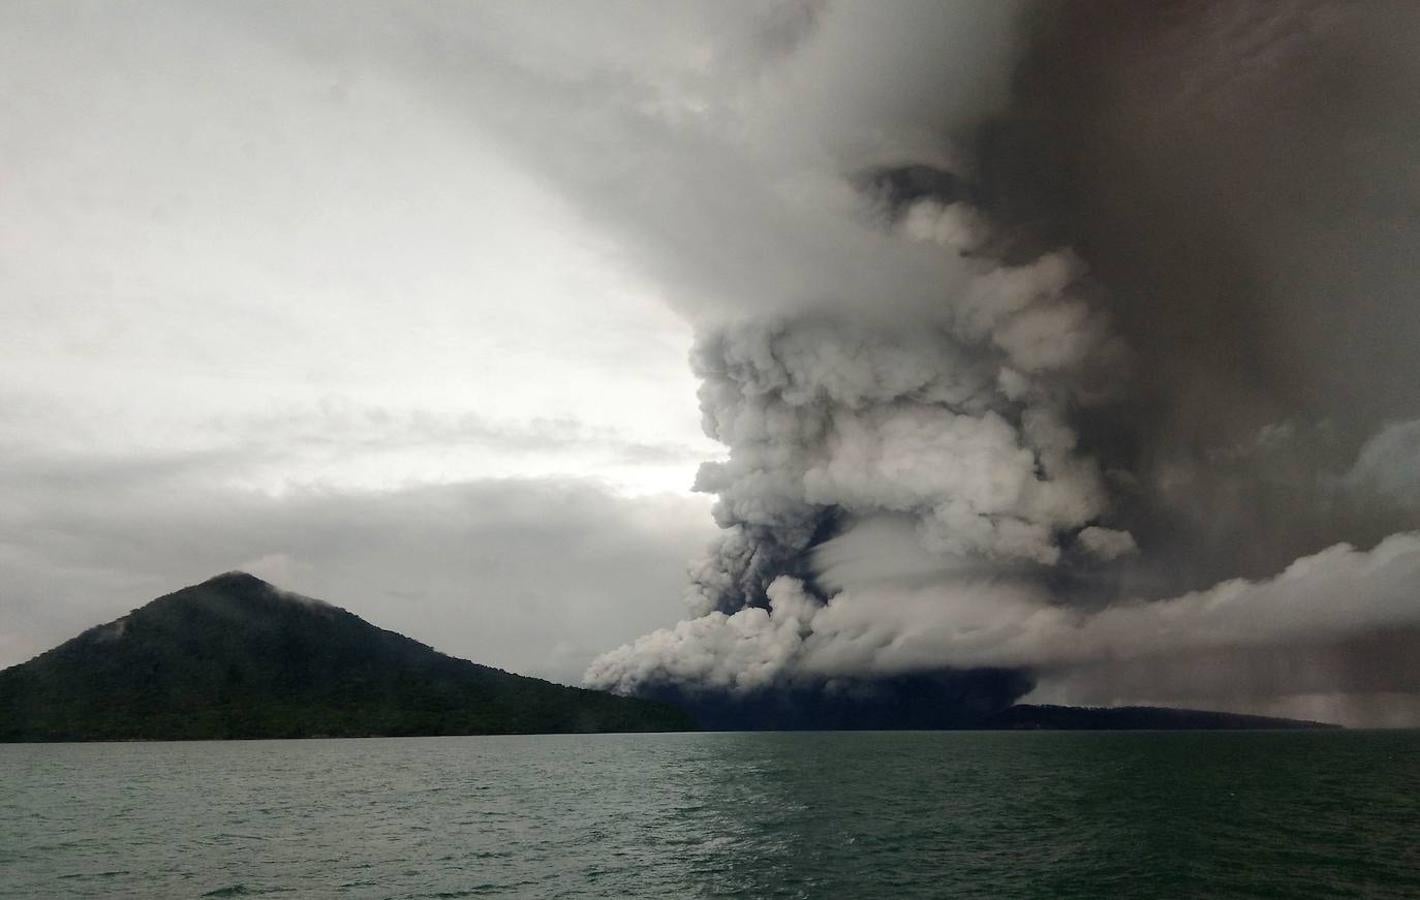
{"x": 1024, "y": 717}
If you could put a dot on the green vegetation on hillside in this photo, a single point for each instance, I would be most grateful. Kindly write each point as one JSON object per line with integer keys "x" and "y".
{"x": 234, "y": 657}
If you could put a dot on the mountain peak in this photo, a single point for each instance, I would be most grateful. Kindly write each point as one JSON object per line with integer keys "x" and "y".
{"x": 237, "y": 580}
{"x": 236, "y": 657}
{"x": 238, "y": 590}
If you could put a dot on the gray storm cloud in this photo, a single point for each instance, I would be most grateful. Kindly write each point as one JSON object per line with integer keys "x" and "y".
{"x": 1075, "y": 336}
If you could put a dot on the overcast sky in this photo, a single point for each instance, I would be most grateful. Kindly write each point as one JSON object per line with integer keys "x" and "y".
{"x": 396, "y": 305}
{"x": 268, "y": 307}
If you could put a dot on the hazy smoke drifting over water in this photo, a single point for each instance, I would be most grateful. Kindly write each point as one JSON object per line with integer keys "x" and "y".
{"x": 1073, "y": 338}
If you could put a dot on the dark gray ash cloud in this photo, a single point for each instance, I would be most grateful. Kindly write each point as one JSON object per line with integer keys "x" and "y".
{"x": 1156, "y": 415}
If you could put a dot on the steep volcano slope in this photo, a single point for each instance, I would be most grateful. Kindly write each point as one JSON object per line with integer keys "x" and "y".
{"x": 235, "y": 657}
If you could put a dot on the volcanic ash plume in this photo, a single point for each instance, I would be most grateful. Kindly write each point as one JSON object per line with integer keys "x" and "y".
{"x": 947, "y": 429}
{"x": 1106, "y": 379}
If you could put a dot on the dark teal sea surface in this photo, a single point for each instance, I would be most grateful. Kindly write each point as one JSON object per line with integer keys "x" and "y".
{"x": 860, "y": 816}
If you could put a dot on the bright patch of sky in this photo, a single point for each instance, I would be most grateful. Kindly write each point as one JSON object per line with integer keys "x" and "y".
{"x": 209, "y": 246}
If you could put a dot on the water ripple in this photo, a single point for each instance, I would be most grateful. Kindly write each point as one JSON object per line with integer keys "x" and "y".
{"x": 719, "y": 815}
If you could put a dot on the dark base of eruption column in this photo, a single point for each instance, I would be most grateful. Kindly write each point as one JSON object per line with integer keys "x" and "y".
{"x": 932, "y": 700}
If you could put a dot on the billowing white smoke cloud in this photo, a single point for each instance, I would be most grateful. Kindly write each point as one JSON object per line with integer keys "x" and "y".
{"x": 748, "y": 650}
{"x": 940, "y": 408}
{"x": 884, "y": 628}
{"x": 928, "y": 420}
{"x": 953, "y": 421}
{"x": 1386, "y": 469}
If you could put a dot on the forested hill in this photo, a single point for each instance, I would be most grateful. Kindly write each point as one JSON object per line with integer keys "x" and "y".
{"x": 235, "y": 657}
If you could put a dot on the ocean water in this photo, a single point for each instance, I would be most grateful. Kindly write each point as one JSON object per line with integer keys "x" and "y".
{"x": 861, "y": 816}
